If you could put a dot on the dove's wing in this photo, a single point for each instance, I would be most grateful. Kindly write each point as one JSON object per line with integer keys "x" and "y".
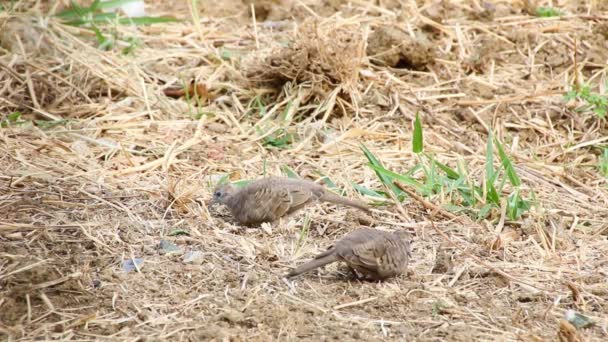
{"x": 376, "y": 254}
{"x": 262, "y": 204}
{"x": 299, "y": 199}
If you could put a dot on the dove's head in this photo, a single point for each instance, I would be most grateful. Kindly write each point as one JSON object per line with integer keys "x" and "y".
{"x": 222, "y": 193}
{"x": 406, "y": 237}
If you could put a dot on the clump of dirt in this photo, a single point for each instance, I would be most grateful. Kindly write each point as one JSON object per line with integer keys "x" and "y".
{"x": 438, "y": 10}
{"x": 17, "y": 285}
{"x": 595, "y": 45}
{"x": 482, "y": 56}
{"x": 273, "y": 10}
{"x": 325, "y": 54}
{"x": 554, "y": 54}
{"x": 389, "y": 46}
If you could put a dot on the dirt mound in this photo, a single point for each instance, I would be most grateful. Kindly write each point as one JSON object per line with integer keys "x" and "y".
{"x": 324, "y": 55}
{"x": 390, "y": 46}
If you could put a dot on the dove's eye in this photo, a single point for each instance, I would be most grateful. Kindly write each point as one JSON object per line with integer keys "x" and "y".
{"x": 217, "y": 194}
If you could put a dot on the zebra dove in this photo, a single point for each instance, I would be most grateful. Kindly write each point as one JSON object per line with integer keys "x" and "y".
{"x": 370, "y": 253}
{"x": 268, "y": 199}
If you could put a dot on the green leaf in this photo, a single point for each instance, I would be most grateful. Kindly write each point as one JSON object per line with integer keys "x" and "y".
{"x": 261, "y": 106}
{"x": 508, "y": 166}
{"x": 387, "y": 174}
{"x": 365, "y": 191}
{"x": 241, "y": 183}
{"x": 490, "y": 176}
{"x": 492, "y": 194}
{"x": 375, "y": 163}
{"x": 226, "y": 54}
{"x": 285, "y": 113}
{"x": 328, "y": 182}
{"x": 516, "y": 206}
{"x": 289, "y": 172}
{"x": 603, "y": 166}
{"x": 75, "y": 11}
{"x": 147, "y": 20}
{"x": 113, "y": 3}
{"x": 50, "y": 124}
{"x": 14, "y": 116}
{"x": 484, "y": 211}
{"x": 100, "y": 18}
{"x": 303, "y": 232}
{"x": 448, "y": 171}
{"x": 546, "y": 12}
{"x": 417, "y": 142}
{"x": 79, "y": 16}
{"x": 225, "y": 179}
{"x": 570, "y": 95}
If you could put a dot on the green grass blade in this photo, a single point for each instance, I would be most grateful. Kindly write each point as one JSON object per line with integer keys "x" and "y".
{"x": 508, "y": 166}
{"x": 289, "y": 172}
{"x": 547, "y": 12}
{"x": 448, "y": 171}
{"x": 490, "y": 160}
{"x": 517, "y": 206}
{"x": 225, "y": 179}
{"x": 387, "y": 174}
{"x": 377, "y": 165}
{"x": 114, "y": 3}
{"x": 365, "y": 191}
{"x": 328, "y": 182}
{"x": 492, "y": 194}
{"x": 146, "y": 20}
{"x": 411, "y": 172}
{"x": 417, "y": 141}
{"x": 603, "y": 164}
{"x": 484, "y": 211}
{"x": 241, "y": 183}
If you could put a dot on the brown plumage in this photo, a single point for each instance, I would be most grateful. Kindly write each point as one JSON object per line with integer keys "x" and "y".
{"x": 370, "y": 253}
{"x": 268, "y": 199}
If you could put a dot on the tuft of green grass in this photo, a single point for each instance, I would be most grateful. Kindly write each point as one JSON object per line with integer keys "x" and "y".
{"x": 455, "y": 185}
{"x": 92, "y": 17}
{"x": 595, "y": 102}
{"x": 547, "y": 12}
{"x": 280, "y": 139}
{"x": 12, "y": 119}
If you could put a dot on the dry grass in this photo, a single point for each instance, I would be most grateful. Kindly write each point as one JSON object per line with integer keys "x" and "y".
{"x": 126, "y": 167}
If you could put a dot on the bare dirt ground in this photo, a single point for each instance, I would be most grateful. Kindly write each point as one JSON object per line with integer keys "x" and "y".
{"x": 104, "y": 163}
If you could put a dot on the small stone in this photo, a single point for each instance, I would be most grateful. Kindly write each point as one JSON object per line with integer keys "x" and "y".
{"x": 167, "y": 247}
{"x": 578, "y": 320}
{"x": 193, "y": 257}
{"x": 132, "y": 264}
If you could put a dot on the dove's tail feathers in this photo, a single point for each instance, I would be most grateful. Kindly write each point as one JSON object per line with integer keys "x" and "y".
{"x": 333, "y": 198}
{"x": 321, "y": 260}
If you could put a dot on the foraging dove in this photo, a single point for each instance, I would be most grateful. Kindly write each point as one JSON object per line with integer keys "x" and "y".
{"x": 370, "y": 253}
{"x": 268, "y": 199}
